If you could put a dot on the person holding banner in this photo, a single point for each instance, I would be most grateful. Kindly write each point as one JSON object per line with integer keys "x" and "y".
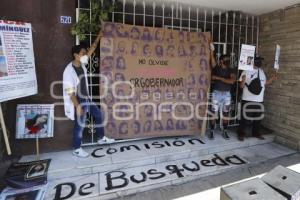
{"x": 253, "y": 84}
{"x": 223, "y": 78}
{"x": 77, "y": 101}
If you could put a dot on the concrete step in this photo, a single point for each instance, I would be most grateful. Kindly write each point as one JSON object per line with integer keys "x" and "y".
{"x": 117, "y": 183}
{"x": 139, "y": 153}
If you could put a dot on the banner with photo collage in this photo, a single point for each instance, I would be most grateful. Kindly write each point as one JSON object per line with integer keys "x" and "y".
{"x": 169, "y": 71}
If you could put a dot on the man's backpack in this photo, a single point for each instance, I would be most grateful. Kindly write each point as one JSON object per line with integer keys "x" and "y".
{"x": 255, "y": 85}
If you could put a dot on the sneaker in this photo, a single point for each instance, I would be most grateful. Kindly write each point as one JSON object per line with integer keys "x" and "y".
{"x": 225, "y": 135}
{"x": 106, "y": 140}
{"x": 211, "y": 135}
{"x": 80, "y": 153}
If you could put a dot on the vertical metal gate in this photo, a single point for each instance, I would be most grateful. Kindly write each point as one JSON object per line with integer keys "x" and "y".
{"x": 230, "y": 29}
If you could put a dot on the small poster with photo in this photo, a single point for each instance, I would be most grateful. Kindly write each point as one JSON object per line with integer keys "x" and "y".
{"x": 246, "y": 61}
{"x": 27, "y": 174}
{"x": 34, "y": 193}
{"x": 35, "y": 120}
{"x": 277, "y": 55}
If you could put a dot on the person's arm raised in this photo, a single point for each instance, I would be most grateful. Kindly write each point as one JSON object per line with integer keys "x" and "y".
{"x": 95, "y": 44}
{"x": 273, "y": 78}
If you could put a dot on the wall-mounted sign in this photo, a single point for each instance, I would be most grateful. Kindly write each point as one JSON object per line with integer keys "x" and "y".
{"x": 65, "y": 19}
{"x": 246, "y": 61}
{"x": 17, "y": 66}
{"x": 277, "y": 55}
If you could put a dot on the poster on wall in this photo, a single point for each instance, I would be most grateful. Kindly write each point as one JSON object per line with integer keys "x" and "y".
{"x": 277, "y": 55}
{"x": 34, "y": 193}
{"x": 167, "y": 74}
{"x": 35, "y": 120}
{"x": 246, "y": 60}
{"x": 17, "y": 65}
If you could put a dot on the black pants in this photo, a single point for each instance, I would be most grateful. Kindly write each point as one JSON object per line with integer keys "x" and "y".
{"x": 251, "y": 111}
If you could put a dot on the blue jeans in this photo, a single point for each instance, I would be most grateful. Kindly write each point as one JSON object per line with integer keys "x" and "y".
{"x": 88, "y": 107}
{"x": 221, "y": 101}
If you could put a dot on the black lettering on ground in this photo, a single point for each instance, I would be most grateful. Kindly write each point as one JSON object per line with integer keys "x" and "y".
{"x": 110, "y": 179}
{"x": 155, "y": 172}
{"x": 205, "y": 163}
{"x": 111, "y": 150}
{"x": 196, "y": 168}
{"x": 58, "y": 191}
{"x": 174, "y": 169}
{"x": 144, "y": 178}
{"x": 178, "y": 143}
{"x": 128, "y": 148}
{"x": 191, "y": 141}
{"x": 219, "y": 161}
{"x": 235, "y": 160}
{"x": 85, "y": 187}
{"x": 157, "y": 145}
{"x": 95, "y": 155}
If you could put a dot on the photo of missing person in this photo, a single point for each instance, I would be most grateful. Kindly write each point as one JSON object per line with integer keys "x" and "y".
{"x": 135, "y": 33}
{"x": 250, "y": 60}
{"x": 181, "y": 36}
{"x": 202, "y": 51}
{"x": 181, "y": 51}
{"x": 108, "y": 29}
{"x": 106, "y": 46}
{"x": 193, "y": 51}
{"x": 36, "y": 123}
{"x": 180, "y": 125}
{"x": 121, "y": 32}
{"x": 134, "y": 48}
{"x": 121, "y": 64}
{"x": 121, "y": 49}
{"x": 37, "y": 170}
{"x": 192, "y": 95}
{"x": 31, "y": 195}
{"x": 170, "y": 51}
{"x": 147, "y": 126}
{"x": 158, "y": 126}
{"x": 1, "y": 47}
{"x": 203, "y": 80}
{"x": 136, "y": 127}
{"x": 123, "y": 128}
{"x": 159, "y": 50}
{"x": 202, "y": 94}
{"x": 170, "y": 125}
{"x": 146, "y": 50}
{"x": 148, "y": 111}
{"x": 203, "y": 64}
{"x": 159, "y": 35}
{"x": 147, "y": 35}
{"x": 107, "y": 63}
{"x": 119, "y": 77}
{"x": 191, "y": 80}
{"x": 111, "y": 128}
{"x": 3, "y": 66}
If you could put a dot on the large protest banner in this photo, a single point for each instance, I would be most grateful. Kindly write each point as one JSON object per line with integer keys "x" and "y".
{"x": 169, "y": 73}
{"x": 17, "y": 66}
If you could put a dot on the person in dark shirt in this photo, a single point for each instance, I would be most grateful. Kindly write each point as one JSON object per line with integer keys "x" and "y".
{"x": 223, "y": 78}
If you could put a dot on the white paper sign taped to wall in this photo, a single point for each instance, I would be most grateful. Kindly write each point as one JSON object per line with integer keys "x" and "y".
{"x": 17, "y": 64}
{"x": 277, "y": 55}
{"x": 246, "y": 61}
